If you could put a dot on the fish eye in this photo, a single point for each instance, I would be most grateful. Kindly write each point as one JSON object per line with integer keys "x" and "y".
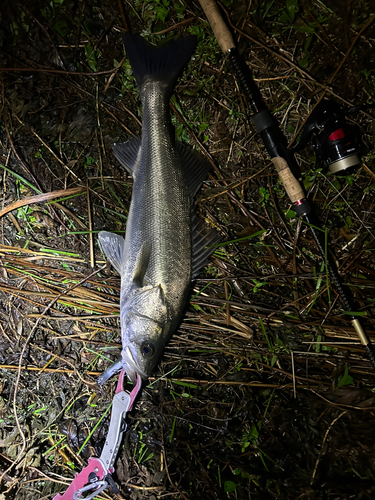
{"x": 147, "y": 349}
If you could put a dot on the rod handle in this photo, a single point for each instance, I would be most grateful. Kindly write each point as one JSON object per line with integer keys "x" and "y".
{"x": 292, "y": 186}
{"x": 220, "y": 29}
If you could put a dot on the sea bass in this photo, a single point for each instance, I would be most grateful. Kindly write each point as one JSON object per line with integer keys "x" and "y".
{"x": 165, "y": 244}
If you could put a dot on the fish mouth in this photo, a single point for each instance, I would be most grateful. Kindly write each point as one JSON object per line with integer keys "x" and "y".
{"x": 130, "y": 366}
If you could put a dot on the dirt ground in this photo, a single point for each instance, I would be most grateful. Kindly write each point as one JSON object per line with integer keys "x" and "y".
{"x": 265, "y": 390}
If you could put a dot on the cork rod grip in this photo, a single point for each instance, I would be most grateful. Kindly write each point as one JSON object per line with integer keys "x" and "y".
{"x": 220, "y": 29}
{"x": 291, "y": 184}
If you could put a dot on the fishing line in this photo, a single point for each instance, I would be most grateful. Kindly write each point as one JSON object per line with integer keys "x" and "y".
{"x": 347, "y": 204}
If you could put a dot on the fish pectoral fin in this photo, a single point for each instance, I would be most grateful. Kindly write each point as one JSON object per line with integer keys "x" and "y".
{"x": 203, "y": 240}
{"x": 128, "y": 153}
{"x": 195, "y": 166}
{"x": 149, "y": 305}
{"x": 141, "y": 264}
{"x": 113, "y": 246}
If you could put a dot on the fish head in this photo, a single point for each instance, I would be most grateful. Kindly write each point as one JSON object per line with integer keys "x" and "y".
{"x": 145, "y": 330}
{"x": 143, "y": 345}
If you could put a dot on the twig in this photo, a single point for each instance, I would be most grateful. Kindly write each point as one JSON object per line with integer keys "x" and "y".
{"x": 91, "y": 236}
{"x": 293, "y": 375}
{"x": 339, "y": 405}
{"x": 227, "y": 307}
{"x": 349, "y": 51}
{"x": 56, "y": 157}
{"x": 235, "y": 383}
{"x": 323, "y": 443}
{"x": 47, "y": 477}
{"x": 174, "y": 26}
{"x": 57, "y": 71}
{"x": 167, "y": 471}
{"x": 123, "y": 17}
{"x": 39, "y": 198}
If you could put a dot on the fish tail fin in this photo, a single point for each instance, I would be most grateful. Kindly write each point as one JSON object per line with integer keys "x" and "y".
{"x": 162, "y": 64}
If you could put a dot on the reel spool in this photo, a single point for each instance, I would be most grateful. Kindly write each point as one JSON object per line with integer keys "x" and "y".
{"x": 337, "y": 144}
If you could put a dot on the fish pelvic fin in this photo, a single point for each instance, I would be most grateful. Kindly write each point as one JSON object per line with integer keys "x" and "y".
{"x": 128, "y": 154}
{"x": 162, "y": 64}
{"x": 113, "y": 246}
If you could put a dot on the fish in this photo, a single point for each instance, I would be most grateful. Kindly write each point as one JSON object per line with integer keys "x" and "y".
{"x": 166, "y": 244}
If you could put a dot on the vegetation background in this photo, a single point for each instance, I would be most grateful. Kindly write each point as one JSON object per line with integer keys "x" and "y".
{"x": 264, "y": 391}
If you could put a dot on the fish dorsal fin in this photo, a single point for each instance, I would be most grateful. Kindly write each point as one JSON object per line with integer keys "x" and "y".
{"x": 113, "y": 246}
{"x": 195, "y": 167}
{"x": 202, "y": 241}
{"x": 128, "y": 153}
{"x": 141, "y": 264}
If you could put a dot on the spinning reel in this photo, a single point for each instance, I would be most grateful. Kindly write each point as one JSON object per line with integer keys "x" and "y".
{"x": 337, "y": 144}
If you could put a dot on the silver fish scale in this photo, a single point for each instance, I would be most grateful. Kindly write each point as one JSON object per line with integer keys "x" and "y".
{"x": 160, "y": 208}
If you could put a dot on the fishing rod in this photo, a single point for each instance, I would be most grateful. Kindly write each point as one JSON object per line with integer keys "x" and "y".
{"x": 284, "y": 160}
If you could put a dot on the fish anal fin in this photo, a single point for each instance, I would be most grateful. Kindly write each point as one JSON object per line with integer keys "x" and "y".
{"x": 113, "y": 246}
{"x": 128, "y": 153}
{"x": 195, "y": 167}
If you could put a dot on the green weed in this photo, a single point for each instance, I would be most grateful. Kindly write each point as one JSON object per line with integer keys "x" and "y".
{"x": 141, "y": 449}
{"x": 344, "y": 379}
